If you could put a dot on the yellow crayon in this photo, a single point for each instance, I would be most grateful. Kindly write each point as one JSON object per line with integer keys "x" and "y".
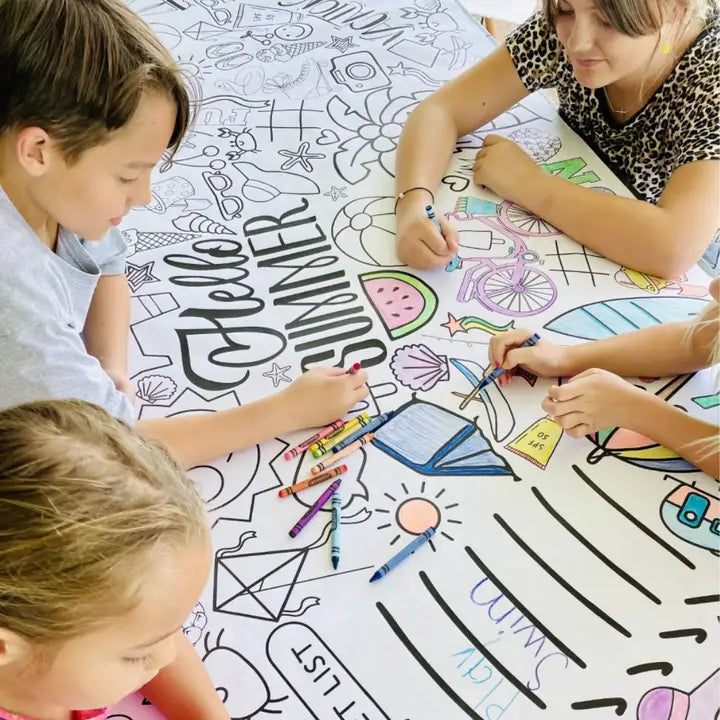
{"x": 327, "y": 443}
{"x": 315, "y": 469}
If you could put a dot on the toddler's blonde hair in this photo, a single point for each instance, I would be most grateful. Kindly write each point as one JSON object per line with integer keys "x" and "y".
{"x": 86, "y": 507}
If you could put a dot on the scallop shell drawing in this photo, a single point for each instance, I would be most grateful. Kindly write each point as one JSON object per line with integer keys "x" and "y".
{"x": 419, "y": 368}
{"x": 154, "y": 388}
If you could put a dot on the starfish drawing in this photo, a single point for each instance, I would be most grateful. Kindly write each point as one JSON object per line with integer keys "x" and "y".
{"x": 341, "y": 44}
{"x": 301, "y": 156}
{"x": 138, "y": 275}
{"x": 453, "y": 325}
{"x": 336, "y": 192}
{"x": 278, "y": 374}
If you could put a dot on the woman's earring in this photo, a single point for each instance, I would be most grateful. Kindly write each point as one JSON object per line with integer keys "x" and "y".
{"x": 665, "y": 48}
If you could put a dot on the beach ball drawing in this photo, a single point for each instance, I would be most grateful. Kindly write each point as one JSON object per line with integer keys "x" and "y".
{"x": 364, "y": 230}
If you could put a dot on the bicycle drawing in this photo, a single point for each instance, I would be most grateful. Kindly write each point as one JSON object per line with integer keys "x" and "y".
{"x": 504, "y": 284}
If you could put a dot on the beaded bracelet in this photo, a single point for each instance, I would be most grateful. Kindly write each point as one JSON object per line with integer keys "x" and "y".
{"x": 417, "y": 187}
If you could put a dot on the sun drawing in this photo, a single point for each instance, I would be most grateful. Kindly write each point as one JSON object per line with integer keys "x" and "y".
{"x": 414, "y": 514}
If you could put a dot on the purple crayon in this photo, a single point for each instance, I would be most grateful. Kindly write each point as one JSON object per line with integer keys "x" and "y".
{"x": 313, "y": 510}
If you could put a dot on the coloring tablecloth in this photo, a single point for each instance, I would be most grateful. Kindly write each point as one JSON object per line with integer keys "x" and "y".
{"x": 568, "y": 578}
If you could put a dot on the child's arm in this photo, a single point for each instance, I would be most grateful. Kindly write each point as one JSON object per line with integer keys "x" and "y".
{"x": 658, "y": 351}
{"x": 596, "y": 399}
{"x": 107, "y": 326}
{"x": 427, "y": 143}
{"x": 316, "y": 398}
{"x": 664, "y": 239}
{"x": 183, "y": 690}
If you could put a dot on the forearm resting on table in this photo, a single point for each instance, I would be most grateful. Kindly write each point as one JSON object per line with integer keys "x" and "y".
{"x": 676, "y": 430}
{"x": 422, "y": 160}
{"x": 465, "y": 104}
{"x": 658, "y": 351}
{"x": 632, "y": 233}
{"x": 183, "y": 690}
{"x": 108, "y": 321}
{"x": 197, "y": 438}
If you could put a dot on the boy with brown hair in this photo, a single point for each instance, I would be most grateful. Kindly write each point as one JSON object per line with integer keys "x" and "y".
{"x": 89, "y": 102}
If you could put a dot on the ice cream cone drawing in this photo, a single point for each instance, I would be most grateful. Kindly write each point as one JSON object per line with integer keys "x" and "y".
{"x": 664, "y": 703}
{"x": 141, "y": 241}
{"x": 285, "y": 53}
{"x": 538, "y": 442}
{"x": 197, "y": 222}
{"x": 657, "y": 285}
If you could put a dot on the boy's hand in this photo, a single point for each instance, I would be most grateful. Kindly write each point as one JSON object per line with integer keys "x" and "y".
{"x": 592, "y": 401}
{"x": 321, "y": 395}
{"x": 419, "y": 244}
{"x": 543, "y": 358}
{"x": 503, "y": 167}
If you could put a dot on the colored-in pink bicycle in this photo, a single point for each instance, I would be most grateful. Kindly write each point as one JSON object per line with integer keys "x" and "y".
{"x": 509, "y": 287}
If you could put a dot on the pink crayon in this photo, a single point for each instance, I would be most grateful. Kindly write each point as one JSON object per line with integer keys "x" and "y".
{"x": 314, "y": 509}
{"x": 305, "y": 444}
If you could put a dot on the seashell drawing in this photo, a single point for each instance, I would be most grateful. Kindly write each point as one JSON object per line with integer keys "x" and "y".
{"x": 419, "y": 368}
{"x": 153, "y": 388}
{"x": 197, "y": 222}
{"x": 538, "y": 143}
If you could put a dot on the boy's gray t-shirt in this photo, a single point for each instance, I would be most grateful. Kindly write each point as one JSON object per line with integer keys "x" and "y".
{"x": 44, "y": 301}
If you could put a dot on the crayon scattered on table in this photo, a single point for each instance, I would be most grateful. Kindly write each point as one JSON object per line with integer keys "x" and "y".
{"x": 311, "y": 481}
{"x": 372, "y": 426}
{"x": 314, "y": 509}
{"x": 495, "y": 374}
{"x": 404, "y": 554}
{"x": 327, "y": 444}
{"x": 335, "y": 537}
{"x": 353, "y": 369}
{"x": 305, "y": 444}
{"x": 364, "y": 440}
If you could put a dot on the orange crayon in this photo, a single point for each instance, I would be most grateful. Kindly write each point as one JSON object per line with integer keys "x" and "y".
{"x": 364, "y": 440}
{"x": 309, "y": 482}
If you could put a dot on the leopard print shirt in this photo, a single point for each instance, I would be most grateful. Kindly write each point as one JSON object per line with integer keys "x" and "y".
{"x": 678, "y": 125}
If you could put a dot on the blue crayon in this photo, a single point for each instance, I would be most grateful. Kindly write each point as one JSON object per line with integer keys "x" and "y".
{"x": 405, "y": 553}
{"x": 431, "y": 216}
{"x": 373, "y": 425}
{"x": 335, "y": 537}
{"x": 495, "y": 374}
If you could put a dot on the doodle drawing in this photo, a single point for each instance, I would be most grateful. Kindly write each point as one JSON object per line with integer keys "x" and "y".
{"x": 692, "y": 515}
{"x": 434, "y": 441}
{"x": 537, "y": 444}
{"x": 364, "y": 230}
{"x": 665, "y": 703}
{"x": 509, "y": 288}
{"x": 404, "y": 302}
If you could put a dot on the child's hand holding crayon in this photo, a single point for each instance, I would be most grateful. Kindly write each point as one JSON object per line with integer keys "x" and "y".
{"x": 544, "y": 358}
{"x": 419, "y": 243}
{"x": 322, "y": 395}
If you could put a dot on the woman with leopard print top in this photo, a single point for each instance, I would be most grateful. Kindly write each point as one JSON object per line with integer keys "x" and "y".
{"x": 638, "y": 80}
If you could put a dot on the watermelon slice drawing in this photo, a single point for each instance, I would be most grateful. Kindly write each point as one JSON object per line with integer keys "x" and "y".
{"x": 403, "y": 302}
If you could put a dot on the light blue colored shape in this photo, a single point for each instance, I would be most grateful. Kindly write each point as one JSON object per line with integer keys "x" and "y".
{"x": 613, "y": 317}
